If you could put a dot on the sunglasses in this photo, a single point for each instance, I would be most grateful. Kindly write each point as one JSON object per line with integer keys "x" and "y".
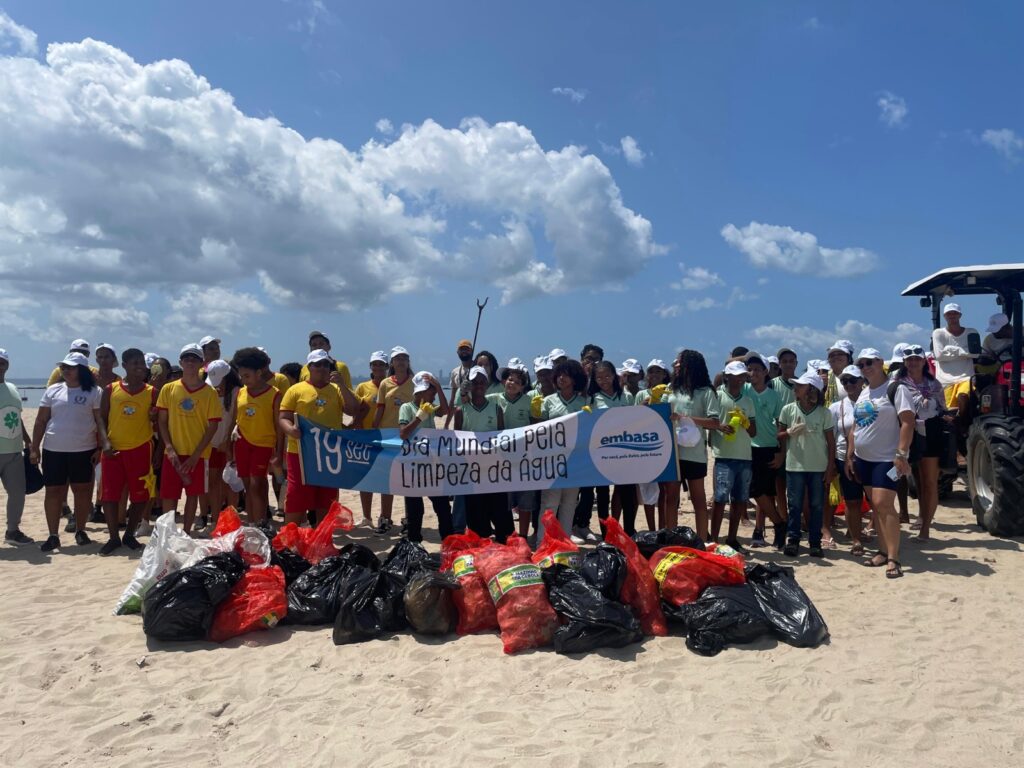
{"x": 914, "y": 351}
{"x": 865, "y": 364}
{"x": 848, "y": 381}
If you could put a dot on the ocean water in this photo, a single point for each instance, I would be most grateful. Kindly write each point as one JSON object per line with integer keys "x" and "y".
{"x": 31, "y": 389}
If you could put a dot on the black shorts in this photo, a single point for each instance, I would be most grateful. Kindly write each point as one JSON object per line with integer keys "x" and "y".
{"x": 60, "y": 468}
{"x": 851, "y": 489}
{"x": 930, "y": 445}
{"x": 762, "y": 479}
{"x": 692, "y": 470}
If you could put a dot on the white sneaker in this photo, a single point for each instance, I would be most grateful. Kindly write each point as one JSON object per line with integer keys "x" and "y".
{"x": 366, "y": 522}
{"x": 576, "y": 539}
{"x": 592, "y": 537}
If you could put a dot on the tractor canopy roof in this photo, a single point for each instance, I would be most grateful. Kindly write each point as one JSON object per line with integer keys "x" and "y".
{"x": 981, "y": 279}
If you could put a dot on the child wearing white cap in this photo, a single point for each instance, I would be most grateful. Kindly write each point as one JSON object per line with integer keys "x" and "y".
{"x": 545, "y": 384}
{"x": 411, "y": 417}
{"x": 366, "y": 394}
{"x": 394, "y": 390}
{"x": 732, "y": 450}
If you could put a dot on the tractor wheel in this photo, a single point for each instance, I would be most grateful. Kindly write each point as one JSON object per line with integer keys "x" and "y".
{"x": 995, "y": 474}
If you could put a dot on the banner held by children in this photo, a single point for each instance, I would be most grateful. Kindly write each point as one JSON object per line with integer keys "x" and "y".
{"x": 617, "y": 446}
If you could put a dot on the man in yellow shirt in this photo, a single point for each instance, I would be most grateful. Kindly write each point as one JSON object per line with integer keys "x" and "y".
{"x": 188, "y": 411}
{"x": 340, "y": 375}
{"x": 256, "y": 409}
{"x": 78, "y": 345}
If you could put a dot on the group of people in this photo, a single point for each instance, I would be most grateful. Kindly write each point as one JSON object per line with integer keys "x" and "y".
{"x": 780, "y": 436}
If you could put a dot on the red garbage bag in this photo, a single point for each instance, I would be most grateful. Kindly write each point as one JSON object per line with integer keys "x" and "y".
{"x": 556, "y": 547}
{"x": 683, "y": 573}
{"x": 516, "y": 586}
{"x": 227, "y": 521}
{"x": 639, "y": 590}
{"x": 520, "y": 545}
{"x": 314, "y": 544}
{"x": 473, "y": 601}
{"x": 457, "y": 543}
{"x": 257, "y": 601}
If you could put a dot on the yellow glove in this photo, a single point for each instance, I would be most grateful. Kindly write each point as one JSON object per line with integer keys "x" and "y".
{"x": 535, "y": 405}
{"x": 586, "y": 409}
{"x": 657, "y": 392}
{"x": 740, "y": 416}
{"x": 426, "y": 412}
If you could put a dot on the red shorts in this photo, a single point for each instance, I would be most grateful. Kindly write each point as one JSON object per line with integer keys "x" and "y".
{"x": 218, "y": 459}
{"x": 251, "y": 460}
{"x": 132, "y": 469}
{"x": 171, "y": 484}
{"x": 301, "y": 497}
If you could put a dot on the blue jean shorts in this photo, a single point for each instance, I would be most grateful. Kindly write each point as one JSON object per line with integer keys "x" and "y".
{"x": 732, "y": 480}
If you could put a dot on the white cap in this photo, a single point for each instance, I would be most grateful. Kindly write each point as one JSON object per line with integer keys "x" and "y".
{"x": 841, "y": 345}
{"x": 657, "y": 362}
{"x": 772, "y": 360}
{"x": 868, "y": 353}
{"x": 952, "y": 307}
{"x": 755, "y": 357}
{"x": 396, "y": 351}
{"x": 380, "y": 356}
{"x": 75, "y": 358}
{"x": 542, "y": 363}
{"x": 735, "y": 368}
{"x": 810, "y": 378}
{"x": 151, "y": 357}
{"x": 421, "y": 382}
{"x": 104, "y": 345}
{"x": 817, "y": 365}
{"x": 997, "y": 322}
{"x": 851, "y": 370}
{"x": 79, "y": 344}
{"x": 208, "y": 340}
{"x": 556, "y": 353}
{"x": 192, "y": 349}
{"x": 216, "y": 371}
{"x": 4, "y": 355}
{"x": 897, "y": 353}
{"x": 631, "y": 365}
{"x": 475, "y": 371}
{"x": 316, "y": 356}
{"x": 515, "y": 362}
{"x": 912, "y": 350}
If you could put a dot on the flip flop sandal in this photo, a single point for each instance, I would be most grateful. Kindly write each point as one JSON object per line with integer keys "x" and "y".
{"x": 893, "y": 573}
{"x": 857, "y": 550}
{"x": 872, "y": 564}
{"x": 829, "y": 544}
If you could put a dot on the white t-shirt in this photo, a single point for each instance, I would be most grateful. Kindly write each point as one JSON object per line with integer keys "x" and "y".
{"x": 842, "y": 416}
{"x": 950, "y": 368}
{"x": 72, "y": 427}
{"x": 876, "y": 434}
{"x": 996, "y": 347}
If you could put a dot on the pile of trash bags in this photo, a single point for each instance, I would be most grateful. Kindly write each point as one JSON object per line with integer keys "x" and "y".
{"x": 655, "y": 583}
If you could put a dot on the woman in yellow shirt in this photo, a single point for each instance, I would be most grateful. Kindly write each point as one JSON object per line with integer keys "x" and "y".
{"x": 366, "y": 394}
{"x": 393, "y": 391}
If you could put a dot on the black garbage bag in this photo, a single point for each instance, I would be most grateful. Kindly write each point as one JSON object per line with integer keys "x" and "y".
{"x": 290, "y": 562}
{"x": 720, "y": 616}
{"x": 429, "y": 607}
{"x": 594, "y": 621}
{"x": 266, "y": 527}
{"x": 314, "y": 597}
{"x": 786, "y": 606}
{"x": 356, "y": 554}
{"x": 371, "y": 605}
{"x": 649, "y": 542}
{"x": 605, "y": 569}
{"x": 181, "y": 605}
{"x": 406, "y": 558}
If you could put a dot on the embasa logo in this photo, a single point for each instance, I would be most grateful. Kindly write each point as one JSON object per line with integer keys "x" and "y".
{"x": 634, "y": 441}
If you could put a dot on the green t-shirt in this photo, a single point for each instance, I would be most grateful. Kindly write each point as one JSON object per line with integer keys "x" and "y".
{"x": 807, "y": 452}
{"x": 785, "y": 390}
{"x": 642, "y": 397}
{"x": 484, "y": 419}
{"x": 516, "y": 412}
{"x": 497, "y": 388}
{"x": 554, "y": 406}
{"x": 600, "y": 401}
{"x": 703, "y": 404}
{"x": 768, "y": 405}
{"x": 739, "y": 446}
{"x": 407, "y": 414}
{"x": 10, "y": 419}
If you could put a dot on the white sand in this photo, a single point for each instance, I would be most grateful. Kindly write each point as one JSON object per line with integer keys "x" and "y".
{"x": 925, "y": 670}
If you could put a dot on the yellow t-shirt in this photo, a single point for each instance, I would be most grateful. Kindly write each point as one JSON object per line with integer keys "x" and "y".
{"x": 129, "y": 424}
{"x": 392, "y": 395}
{"x": 322, "y": 406}
{"x": 346, "y": 377}
{"x": 366, "y": 392}
{"x": 281, "y": 383}
{"x": 55, "y": 377}
{"x": 188, "y": 414}
{"x": 255, "y": 416}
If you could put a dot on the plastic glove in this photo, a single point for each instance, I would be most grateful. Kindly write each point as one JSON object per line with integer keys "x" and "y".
{"x": 657, "y": 392}
{"x": 586, "y": 409}
{"x": 742, "y": 418}
{"x": 426, "y": 412}
{"x": 535, "y": 405}
{"x": 797, "y": 429}
{"x": 952, "y": 350}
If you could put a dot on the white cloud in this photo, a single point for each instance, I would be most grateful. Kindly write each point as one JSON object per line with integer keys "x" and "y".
{"x": 173, "y": 186}
{"x": 16, "y": 38}
{"x": 384, "y": 126}
{"x": 812, "y": 23}
{"x": 815, "y": 341}
{"x": 696, "y": 305}
{"x": 697, "y": 279}
{"x": 1004, "y": 141}
{"x": 575, "y": 95}
{"x": 315, "y": 12}
{"x": 125, "y": 321}
{"x": 893, "y": 109}
{"x": 632, "y": 152}
{"x": 665, "y": 311}
{"x": 775, "y": 247}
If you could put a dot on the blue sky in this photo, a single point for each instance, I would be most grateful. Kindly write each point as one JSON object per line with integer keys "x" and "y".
{"x": 645, "y": 176}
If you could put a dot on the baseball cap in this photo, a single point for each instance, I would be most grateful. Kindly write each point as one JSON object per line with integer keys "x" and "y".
{"x": 4, "y": 355}
{"x": 79, "y": 345}
{"x": 464, "y": 343}
{"x": 735, "y": 368}
{"x": 851, "y": 370}
{"x": 912, "y": 350}
{"x": 106, "y": 346}
{"x": 208, "y": 340}
{"x": 841, "y": 345}
{"x": 396, "y": 351}
{"x": 754, "y": 357}
{"x": 657, "y": 362}
{"x": 314, "y": 334}
{"x": 542, "y": 363}
{"x": 475, "y": 371}
{"x": 997, "y": 322}
{"x": 421, "y": 382}
{"x": 952, "y": 307}
{"x": 380, "y": 356}
{"x": 514, "y": 364}
{"x": 75, "y": 358}
{"x": 631, "y": 365}
{"x": 868, "y": 353}
{"x": 785, "y": 351}
{"x": 817, "y": 365}
{"x": 897, "y": 353}
{"x": 317, "y": 356}
{"x": 556, "y": 353}
{"x": 772, "y": 360}
{"x": 216, "y": 371}
{"x": 191, "y": 349}
{"x": 809, "y": 378}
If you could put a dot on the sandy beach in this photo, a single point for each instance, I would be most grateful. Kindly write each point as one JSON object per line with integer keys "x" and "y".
{"x": 921, "y": 671}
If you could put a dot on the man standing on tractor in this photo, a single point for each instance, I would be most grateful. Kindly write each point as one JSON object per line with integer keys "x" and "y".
{"x": 954, "y": 364}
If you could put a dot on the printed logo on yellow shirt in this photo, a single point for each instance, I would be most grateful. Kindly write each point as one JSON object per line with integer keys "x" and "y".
{"x": 188, "y": 404}
{"x": 320, "y": 402}
{"x": 250, "y": 411}
{"x": 128, "y": 410}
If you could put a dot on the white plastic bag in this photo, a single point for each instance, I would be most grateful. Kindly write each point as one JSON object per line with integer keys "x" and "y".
{"x": 230, "y": 476}
{"x": 649, "y": 493}
{"x": 253, "y": 542}
{"x": 167, "y": 550}
{"x": 687, "y": 433}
